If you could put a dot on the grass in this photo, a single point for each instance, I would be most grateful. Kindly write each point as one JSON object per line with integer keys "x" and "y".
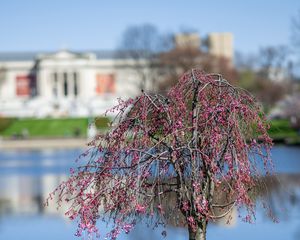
{"x": 281, "y": 130}
{"x": 48, "y": 127}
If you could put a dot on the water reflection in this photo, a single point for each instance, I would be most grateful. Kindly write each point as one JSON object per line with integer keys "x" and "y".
{"x": 27, "y": 177}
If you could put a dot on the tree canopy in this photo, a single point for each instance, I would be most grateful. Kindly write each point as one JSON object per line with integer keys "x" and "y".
{"x": 187, "y": 158}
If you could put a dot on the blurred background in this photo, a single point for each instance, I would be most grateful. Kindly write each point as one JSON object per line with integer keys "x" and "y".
{"x": 64, "y": 63}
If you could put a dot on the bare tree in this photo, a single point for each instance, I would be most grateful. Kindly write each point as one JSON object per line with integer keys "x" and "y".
{"x": 141, "y": 44}
{"x": 266, "y": 74}
{"x": 180, "y": 59}
{"x": 273, "y": 62}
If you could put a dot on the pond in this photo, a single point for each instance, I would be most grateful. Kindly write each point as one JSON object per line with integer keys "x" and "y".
{"x": 27, "y": 177}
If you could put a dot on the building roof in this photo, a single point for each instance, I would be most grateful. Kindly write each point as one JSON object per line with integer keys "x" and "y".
{"x": 31, "y": 56}
{"x": 17, "y": 56}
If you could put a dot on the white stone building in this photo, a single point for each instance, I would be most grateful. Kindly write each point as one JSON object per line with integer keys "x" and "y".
{"x": 63, "y": 83}
{"x": 81, "y": 84}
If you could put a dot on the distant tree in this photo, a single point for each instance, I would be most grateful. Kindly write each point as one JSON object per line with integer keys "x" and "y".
{"x": 244, "y": 61}
{"x": 178, "y": 60}
{"x": 205, "y": 136}
{"x": 141, "y": 44}
{"x": 159, "y": 63}
{"x": 265, "y": 90}
{"x": 266, "y": 75}
{"x": 175, "y": 62}
{"x": 272, "y": 62}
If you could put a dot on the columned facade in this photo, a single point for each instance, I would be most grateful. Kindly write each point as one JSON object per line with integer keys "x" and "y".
{"x": 64, "y": 84}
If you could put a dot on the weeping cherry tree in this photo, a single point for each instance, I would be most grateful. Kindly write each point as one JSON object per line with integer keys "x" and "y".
{"x": 187, "y": 158}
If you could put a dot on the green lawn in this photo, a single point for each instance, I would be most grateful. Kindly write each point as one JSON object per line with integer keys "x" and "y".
{"x": 70, "y": 127}
{"x": 49, "y": 127}
{"x": 281, "y": 130}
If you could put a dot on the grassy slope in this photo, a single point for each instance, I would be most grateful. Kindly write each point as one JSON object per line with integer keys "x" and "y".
{"x": 66, "y": 127}
{"x": 282, "y": 130}
{"x": 47, "y": 127}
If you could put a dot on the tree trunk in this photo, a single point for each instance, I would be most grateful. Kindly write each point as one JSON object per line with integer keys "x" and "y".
{"x": 200, "y": 234}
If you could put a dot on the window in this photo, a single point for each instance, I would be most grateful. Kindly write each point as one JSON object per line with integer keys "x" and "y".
{"x": 105, "y": 83}
{"x": 25, "y": 85}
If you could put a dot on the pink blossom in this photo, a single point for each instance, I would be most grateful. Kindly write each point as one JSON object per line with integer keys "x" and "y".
{"x": 128, "y": 227}
{"x": 140, "y": 209}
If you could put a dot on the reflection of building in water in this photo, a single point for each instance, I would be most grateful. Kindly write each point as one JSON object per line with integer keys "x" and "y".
{"x": 49, "y": 182}
{"x": 230, "y": 219}
{"x": 27, "y": 193}
{"x": 19, "y": 193}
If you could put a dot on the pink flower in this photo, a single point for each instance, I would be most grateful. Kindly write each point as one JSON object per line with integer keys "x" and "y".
{"x": 191, "y": 220}
{"x": 185, "y": 206}
{"x": 140, "y": 209}
{"x": 127, "y": 227}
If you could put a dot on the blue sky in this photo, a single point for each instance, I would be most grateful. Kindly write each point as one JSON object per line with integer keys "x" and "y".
{"x": 34, "y": 25}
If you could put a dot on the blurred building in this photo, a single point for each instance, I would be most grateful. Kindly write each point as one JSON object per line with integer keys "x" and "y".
{"x": 66, "y": 83}
{"x": 288, "y": 108}
{"x": 277, "y": 74}
{"x": 221, "y": 45}
{"x": 63, "y": 83}
{"x": 187, "y": 40}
